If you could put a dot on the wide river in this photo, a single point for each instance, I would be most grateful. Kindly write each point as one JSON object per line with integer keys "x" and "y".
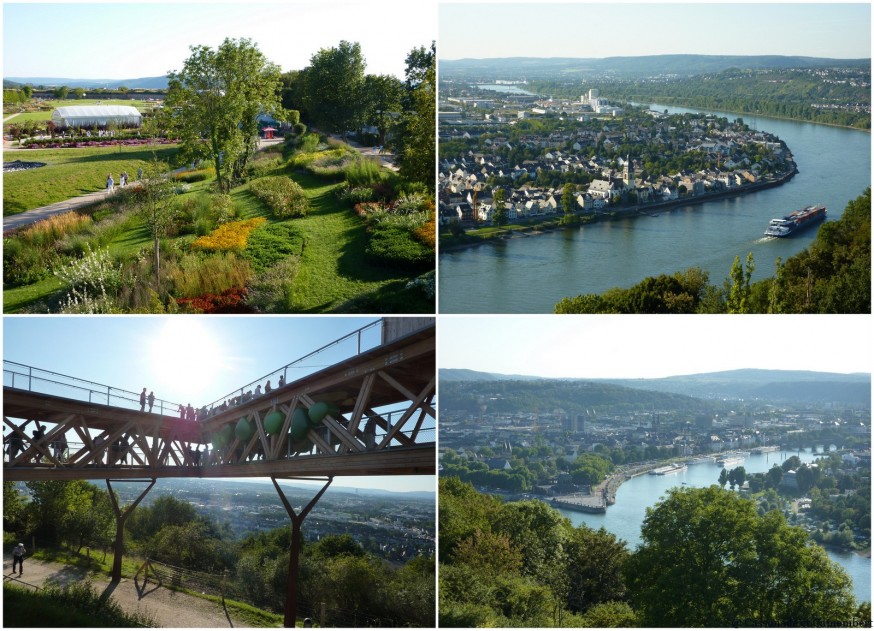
{"x": 625, "y": 518}
{"x": 531, "y": 274}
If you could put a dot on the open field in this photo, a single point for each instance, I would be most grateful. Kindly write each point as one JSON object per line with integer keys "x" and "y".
{"x": 71, "y": 172}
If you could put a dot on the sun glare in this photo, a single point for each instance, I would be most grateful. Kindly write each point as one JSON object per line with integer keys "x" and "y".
{"x": 185, "y": 358}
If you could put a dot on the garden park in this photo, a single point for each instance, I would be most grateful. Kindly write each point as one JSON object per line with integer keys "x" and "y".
{"x": 216, "y": 220}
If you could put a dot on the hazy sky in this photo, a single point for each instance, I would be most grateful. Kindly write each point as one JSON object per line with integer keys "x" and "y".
{"x": 188, "y": 359}
{"x": 503, "y": 29}
{"x": 653, "y": 346}
{"x": 146, "y": 39}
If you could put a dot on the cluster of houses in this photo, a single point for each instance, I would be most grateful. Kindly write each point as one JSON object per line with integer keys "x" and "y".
{"x": 466, "y": 191}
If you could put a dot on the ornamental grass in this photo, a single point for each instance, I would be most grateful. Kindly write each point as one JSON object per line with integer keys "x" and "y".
{"x": 231, "y": 236}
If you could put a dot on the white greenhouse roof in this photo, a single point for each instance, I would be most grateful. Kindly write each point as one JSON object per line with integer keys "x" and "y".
{"x": 76, "y": 111}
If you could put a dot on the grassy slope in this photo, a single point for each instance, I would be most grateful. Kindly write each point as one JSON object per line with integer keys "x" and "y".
{"x": 333, "y": 268}
{"x": 69, "y": 173}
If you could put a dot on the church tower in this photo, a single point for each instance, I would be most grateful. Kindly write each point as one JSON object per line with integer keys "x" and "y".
{"x": 628, "y": 174}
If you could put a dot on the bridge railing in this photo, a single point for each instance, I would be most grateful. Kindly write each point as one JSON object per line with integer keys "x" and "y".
{"x": 32, "y": 379}
{"x": 355, "y": 343}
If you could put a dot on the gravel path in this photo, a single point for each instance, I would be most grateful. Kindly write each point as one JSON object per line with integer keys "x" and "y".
{"x": 166, "y": 607}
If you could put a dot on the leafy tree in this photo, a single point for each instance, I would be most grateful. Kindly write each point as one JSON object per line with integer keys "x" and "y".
{"x": 708, "y": 559}
{"x": 217, "y": 96}
{"x": 155, "y": 195}
{"x": 415, "y": 140}
{"x": 595, "y": 561}
{"x": 89, "y": 521}
{"x": 739, "y": 291}
{"x": 723, "y": 478}
{"x": 334, "y": 86}
{"x": 79, "y": 93}
{"x": 61, "y": 92}
{"x": 500, "y": 216}
{"x": 382, "y": 95}
{"x": 27, "y": 91}
{"x": 14, "y": 506}
{"x": 610, "y": 615}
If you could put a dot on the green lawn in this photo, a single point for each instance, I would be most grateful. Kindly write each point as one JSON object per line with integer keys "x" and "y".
{"x": 70, "y": 173}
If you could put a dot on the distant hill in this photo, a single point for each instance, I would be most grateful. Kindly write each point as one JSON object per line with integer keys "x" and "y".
{"x": 147, "y": 83}
{"x": 651, "y": 65}
{"x": 768, "y": 385}
{"x": 510, "y": 396}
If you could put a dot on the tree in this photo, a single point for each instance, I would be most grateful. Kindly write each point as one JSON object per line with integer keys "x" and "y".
{"x": 334, "y": 86}
{"x": 500, "y": 216}
{"x": 708, "y": 559}
{"x": 156, "y": 193}
{"x": 79, "y": 93}
{"x": 382, "y": 96}
{"x": 415, "y": 141}
{"x": 567, "y": 199}
{"x": 595, "y": 561}
{"x": 218, "y": 95}
{"x": 739, "y": 292}
{"x": 61, "y": 92}
{"x": 723, "y": 478}
{"x": 27, "y": 91}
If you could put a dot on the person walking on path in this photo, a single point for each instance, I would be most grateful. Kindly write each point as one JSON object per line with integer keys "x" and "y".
{"x": 110, "y": 183}
{"x": 18, "y": 558}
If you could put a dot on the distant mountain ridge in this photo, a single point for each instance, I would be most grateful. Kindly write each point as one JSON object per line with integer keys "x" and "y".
{"x": 647, "y": 65}
{"x": 147, "y": 83}
{"x": 772, "y": 385}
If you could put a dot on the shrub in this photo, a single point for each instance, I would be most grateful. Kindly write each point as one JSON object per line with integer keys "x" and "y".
{"x": 283, "y": 196}
{"x": 363, "y": 172}
{"x": 229, "y": 236}
{"x": 93, "y": 273}
{"x": 354, "y": 195}
{"x": 229, "y": 301}
{"x": 270, "y": 292}
{"x": 23, "y": 263}
{"x": 271, "y": 243}
{"x": 198, "y": 175}
{"x": 196, "y": 274}
{"x": 300, "y": 129}
{"x": 392, "y": 244}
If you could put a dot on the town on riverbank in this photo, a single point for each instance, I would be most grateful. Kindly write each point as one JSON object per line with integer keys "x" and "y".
{"x": 523, "y": 163}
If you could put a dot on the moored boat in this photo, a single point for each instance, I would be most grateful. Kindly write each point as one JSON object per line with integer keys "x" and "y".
{"x": 668, "y": 469}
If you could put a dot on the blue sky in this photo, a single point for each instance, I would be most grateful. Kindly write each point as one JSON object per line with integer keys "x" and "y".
{"x": 653, "y": 346}
{"x": 501, "y": 29}
{"x": 145, "y": 39}
{"x": 195, "y": 359}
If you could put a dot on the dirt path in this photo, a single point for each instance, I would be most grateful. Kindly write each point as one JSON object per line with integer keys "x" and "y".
{"x": 167, "y": 608}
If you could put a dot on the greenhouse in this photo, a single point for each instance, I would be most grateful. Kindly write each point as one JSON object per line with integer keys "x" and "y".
{"x": 97, "y": 115}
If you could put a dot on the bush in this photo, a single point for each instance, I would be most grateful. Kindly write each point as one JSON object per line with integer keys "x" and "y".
{"x": 354, "y": 195}
{"x": 196, "y": 274}
{"x": 283, "y": 196}
{"x": 229, "y": 236}
{"x": 363, "y": 172}
{"x": 392, "y": 244}
{"x": 272, "y": 243}
{"x": 270, "y": 292}
{"x": 299, "y": 129}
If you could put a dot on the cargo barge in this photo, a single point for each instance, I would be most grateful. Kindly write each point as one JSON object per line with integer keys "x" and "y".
{"x": 795, "y": 221}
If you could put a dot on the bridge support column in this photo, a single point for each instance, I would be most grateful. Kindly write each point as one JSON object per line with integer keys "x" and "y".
{"x": 294, "y": 553}
{"x": 121, "y": 517}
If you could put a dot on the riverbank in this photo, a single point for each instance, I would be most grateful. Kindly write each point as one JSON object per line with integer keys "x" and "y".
{"x": 454, "y": 244}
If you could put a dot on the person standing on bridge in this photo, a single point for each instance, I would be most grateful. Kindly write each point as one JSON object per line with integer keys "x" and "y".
{"x": 143, "y": 400}
{"x": 18, "y": 558}
{"x": 151, "y": 400}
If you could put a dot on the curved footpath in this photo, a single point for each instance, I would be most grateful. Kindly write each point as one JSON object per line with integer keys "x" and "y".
{"x": 166, "y": 607}
{"x": 28, "y": 217}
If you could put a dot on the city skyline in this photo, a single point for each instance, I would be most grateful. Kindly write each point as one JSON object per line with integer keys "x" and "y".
{"x": 589, "y": 30}
{"x": 139, "y": 40}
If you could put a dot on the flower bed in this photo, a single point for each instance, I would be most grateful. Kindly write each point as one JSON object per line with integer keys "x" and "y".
{"x": 229, "y": 236}
{"x": 54, "y": 143}
{"x": 230, "y": 301}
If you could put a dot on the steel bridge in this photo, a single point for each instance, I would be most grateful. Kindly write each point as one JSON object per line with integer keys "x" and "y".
{"x": 370, "y": 414}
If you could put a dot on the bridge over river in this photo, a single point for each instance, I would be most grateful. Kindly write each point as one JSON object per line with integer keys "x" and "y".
{"x": 370, "y": 414}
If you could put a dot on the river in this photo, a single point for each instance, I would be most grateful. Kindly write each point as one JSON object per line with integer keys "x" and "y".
{"x": 625, "y": 518}
{"x": 531, "y": 274}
